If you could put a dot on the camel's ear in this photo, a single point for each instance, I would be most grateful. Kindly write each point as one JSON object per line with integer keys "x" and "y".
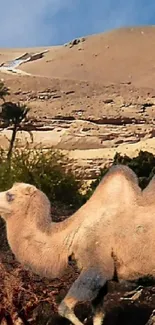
{"x": 16, "y": 184}
{"x": 25, "y": 188}
{"x": 29, "y": 189}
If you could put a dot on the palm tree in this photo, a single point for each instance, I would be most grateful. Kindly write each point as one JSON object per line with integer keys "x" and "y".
{"x": 4, "y": 91}
{"x": 13, "y": 114}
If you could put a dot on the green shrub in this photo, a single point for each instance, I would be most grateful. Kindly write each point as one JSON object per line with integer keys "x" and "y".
{"x": 46, "y": 170}
{"x": 143, "y": 165}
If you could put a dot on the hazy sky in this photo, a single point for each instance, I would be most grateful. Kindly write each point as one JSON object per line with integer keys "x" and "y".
{"x": 52, "y": 22}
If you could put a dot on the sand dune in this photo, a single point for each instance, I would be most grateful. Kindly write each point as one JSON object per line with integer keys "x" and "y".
{"x": 122, "y": 55}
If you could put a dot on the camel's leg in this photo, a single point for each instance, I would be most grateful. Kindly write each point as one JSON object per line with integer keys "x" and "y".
{"x": 66, "y": 309}
{"x": 151, "y": 320}
{"x": 85, "y": 288}
{"x": 98, "y": 318}
{"x": 97, "y": 306}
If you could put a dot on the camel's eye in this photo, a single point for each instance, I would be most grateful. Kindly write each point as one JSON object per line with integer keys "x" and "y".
{"x": 9, "y": 197}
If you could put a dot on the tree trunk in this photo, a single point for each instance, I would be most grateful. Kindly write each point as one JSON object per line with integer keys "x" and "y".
{"x": 9, "y": 154}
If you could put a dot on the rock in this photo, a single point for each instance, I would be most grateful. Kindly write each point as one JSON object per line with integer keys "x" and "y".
{"x": 69, "y": 92}
{"x": 76, "y": 41}
{"x": 56, "y": 96}
{"x": 108, "y": 101}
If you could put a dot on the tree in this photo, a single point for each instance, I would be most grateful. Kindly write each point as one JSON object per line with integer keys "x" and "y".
{"x": 13, "y": 114}
{"x": 4, "y": 91}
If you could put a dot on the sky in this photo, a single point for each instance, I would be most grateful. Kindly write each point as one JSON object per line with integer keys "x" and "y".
{"x": 29, "y": 23}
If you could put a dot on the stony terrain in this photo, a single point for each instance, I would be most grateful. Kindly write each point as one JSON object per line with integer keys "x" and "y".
{"x": 91, "y": 98}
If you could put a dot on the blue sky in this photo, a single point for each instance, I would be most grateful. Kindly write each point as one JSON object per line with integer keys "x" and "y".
{"x": 26, "y": 23}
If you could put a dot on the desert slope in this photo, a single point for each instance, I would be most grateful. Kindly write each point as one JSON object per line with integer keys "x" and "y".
{"x": 122, "y": 55}
{"x": 90, "y": 99}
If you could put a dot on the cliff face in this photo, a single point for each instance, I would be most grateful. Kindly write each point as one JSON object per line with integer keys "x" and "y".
{"x": 92, "y": 98}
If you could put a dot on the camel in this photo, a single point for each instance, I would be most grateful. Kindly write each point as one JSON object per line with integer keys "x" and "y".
{"x": 111, "y": 237}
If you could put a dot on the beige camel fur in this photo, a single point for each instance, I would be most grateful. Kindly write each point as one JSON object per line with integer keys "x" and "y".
{"x": 111, "y": 235}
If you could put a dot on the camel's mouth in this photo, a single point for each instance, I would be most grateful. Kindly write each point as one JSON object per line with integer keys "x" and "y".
{"x": 4, "y": 212}
{"x": 5, "y": 208}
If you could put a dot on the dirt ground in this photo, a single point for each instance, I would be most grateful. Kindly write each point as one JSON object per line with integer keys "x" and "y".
{"x": 35, "y": 300}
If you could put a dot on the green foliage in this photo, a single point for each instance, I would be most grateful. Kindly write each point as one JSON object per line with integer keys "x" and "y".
{"x": 143, "y": 165}
{"x": 46, "y": 170}
{"x": 14, "y": 113}
{"x": 35, "y": 167}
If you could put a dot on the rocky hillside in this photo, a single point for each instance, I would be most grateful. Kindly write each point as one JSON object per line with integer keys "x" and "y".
{"x": 91, "y": 98}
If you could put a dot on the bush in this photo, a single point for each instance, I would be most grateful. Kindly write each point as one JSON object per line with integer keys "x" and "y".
{"x": 143, "y": 165}
{"x": 46, "y": 170}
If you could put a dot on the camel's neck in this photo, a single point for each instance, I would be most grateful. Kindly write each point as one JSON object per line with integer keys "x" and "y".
{"x": 39, "y": 243}
{"x": 44, "y": 248}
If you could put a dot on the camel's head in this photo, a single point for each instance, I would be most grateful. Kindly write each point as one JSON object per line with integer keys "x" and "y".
{"x": 17, "y": 198}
